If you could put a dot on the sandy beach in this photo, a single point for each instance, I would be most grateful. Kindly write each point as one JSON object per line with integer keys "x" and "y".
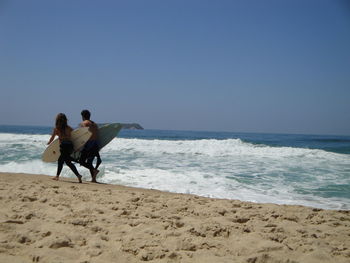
{"x": 42, "y": 220}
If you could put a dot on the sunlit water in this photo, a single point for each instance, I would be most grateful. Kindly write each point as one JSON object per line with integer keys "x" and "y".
{"x": 270, "y": 168}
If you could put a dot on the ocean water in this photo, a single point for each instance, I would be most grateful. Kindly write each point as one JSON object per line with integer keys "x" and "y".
{"x": 311, "y": 170}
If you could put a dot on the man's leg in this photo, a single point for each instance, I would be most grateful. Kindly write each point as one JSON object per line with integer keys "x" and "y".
{"x": 87, "y": 164}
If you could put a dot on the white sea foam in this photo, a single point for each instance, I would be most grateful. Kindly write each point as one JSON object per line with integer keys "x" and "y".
{"x": 216, "y": 168}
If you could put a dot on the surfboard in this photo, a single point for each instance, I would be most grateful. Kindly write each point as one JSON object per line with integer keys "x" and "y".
{"x": 106, "y": 133}
{"x": 79, "y": 137}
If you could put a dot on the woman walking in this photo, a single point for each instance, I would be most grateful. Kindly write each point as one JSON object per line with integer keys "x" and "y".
{"x": 63, "y": 131}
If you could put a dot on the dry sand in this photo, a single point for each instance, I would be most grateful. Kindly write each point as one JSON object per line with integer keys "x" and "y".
{"x": 42, "y": 220}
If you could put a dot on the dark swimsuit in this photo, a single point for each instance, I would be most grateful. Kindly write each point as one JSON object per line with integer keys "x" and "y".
{"x": 66, "y": 148}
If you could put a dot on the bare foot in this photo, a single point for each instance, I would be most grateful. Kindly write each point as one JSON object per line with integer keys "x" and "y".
{"x": 55, "y": 178}
{"x": 94, "y": 176}
{"x": 79, "y": 178}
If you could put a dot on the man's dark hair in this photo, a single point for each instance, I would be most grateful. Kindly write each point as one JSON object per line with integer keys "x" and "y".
{"x": 86, "y": 114}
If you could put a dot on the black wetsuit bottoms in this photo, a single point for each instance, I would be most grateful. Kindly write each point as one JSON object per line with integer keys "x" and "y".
{"x": 66, "y": 149}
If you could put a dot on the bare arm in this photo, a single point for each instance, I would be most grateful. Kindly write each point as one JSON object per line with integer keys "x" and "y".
{"x": 54, "y": 133}
{"x": 84, "y": 124}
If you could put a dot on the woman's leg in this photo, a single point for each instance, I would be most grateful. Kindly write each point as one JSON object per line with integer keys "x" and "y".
{"x": 59, "y": 166}
{"x": 73, "y": 168}
{"x": 66, "y": 151}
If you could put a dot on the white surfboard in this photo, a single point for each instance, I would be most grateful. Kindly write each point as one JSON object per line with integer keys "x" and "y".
{"x": 79, "y": 137}
{"x": 106, "y": 133}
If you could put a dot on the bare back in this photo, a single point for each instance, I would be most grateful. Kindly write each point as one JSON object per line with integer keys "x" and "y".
{"x": 92, "y": 128}
{"x": 64, "y": 135}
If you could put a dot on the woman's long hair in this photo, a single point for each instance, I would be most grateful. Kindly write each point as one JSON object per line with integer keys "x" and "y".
{"x": 61, "y": 123}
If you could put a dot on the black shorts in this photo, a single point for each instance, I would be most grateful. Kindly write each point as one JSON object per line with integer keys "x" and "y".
{"x": 90, "y": 149}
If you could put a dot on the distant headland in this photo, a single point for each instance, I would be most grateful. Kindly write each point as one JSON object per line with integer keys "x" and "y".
{"x": 127, "y": 126}
{"x": 132, "y": 126}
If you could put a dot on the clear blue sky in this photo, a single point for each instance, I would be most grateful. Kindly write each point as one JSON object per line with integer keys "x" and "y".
{"x": 238, "y": 65}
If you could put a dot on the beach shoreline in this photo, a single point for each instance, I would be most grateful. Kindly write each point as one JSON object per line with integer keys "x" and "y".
{"x": 43, "y": 220}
